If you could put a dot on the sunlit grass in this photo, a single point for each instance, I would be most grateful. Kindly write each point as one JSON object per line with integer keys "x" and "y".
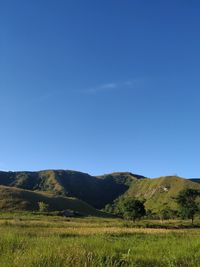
{"x": 55, "y": 241}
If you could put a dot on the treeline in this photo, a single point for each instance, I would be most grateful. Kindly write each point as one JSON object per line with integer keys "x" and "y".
{"x": 188, "y": 202}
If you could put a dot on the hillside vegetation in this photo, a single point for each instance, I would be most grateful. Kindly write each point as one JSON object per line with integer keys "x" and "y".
{"x": 96, "y": 191}
{"x": 65, "y": 186}
{"x": 15, "y": 199}
{"x": 160, "y": 193}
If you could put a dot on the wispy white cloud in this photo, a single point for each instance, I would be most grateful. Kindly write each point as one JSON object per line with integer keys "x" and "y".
{"x": 108, "y": 86}
{"x": 102, "y": 87}
{"x": 129, "y": 84}
{"x": 47, "y": 96}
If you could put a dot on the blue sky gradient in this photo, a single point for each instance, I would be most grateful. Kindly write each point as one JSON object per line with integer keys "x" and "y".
{"x": 100, "y": 86}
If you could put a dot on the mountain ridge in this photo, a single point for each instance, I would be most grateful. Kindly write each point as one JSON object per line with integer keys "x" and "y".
{"x": 16, "y": 199}
{"x": 102, "y": 190}
{"x": 94, "y": 190}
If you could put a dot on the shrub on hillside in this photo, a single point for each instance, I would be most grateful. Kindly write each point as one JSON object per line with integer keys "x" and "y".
{"x": 43, "y": 207}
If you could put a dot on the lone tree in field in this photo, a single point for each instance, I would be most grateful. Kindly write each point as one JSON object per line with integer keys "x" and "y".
{"x": 187, "y": 201}
{"x": 167, "y": 213}
{"x": 43, "y": 206}
{"x": 132, "y": 209}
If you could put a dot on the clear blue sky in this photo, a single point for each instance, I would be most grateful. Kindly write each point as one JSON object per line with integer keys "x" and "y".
{"x": 100, "y": 86}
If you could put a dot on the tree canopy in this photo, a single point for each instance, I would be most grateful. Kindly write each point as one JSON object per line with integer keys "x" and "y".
{"x": 187, "y": 201}
{"x": 131, "y": 208}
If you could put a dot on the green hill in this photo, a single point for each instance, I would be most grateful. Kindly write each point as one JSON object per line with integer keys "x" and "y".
{"x": 62, "y": 186}
{"x": 160, "y": 192}
{"x": 15, "y": 199}
{"x": 196, "y": 180}
{"x": 96, "y": 191}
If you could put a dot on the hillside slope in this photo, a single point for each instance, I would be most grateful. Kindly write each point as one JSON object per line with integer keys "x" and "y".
{"x": 196, "y": 180}
{"x": 15, "y": 199}
{"x": 160, "y": 192}
{"x": 96, "y": 191}
{"x": 100, "y": 190}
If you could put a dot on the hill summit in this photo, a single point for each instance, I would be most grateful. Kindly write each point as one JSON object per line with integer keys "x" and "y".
{"x": 94, "y": 191}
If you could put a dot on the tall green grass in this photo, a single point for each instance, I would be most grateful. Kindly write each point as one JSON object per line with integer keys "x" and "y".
{"x": 40, "y": 245}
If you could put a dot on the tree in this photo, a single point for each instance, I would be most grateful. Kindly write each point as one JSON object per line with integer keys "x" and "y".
{"x": 109, "y": 208}
{"x": 167, "y": 213}
{"x": 131, "y": 208}
{"x": 149, "y": 214}
{"x": 164, "y": 214}
{"x": 43, "y": 206}
{"x": 187, "y": 201}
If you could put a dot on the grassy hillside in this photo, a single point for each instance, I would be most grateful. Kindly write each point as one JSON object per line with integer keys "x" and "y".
{"x": 13, "y": 199}
{"x": 160, "y": 192}
{"x": 96, "y": 191}
{"x": 196, "y": 180}
{"x": 100, "y": 190}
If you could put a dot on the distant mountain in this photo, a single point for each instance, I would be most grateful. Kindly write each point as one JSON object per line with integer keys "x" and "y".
{"x": 96, "y": 191}
{"x": 196, "y": 180}
{"x": 15, "y": 199}
{"x": 160, "y": 192}
{"x": 59, "y": 186}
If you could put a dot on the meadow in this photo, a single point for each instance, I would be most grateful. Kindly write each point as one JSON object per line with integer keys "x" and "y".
{"x": 39, "y": 240}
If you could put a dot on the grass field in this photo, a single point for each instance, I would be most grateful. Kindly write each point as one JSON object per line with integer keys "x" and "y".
{"x": 38, "y": 240}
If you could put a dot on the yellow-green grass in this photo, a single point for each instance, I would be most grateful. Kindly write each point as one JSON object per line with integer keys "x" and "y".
{"x": 37, "y": 240}
{"x": 160, "y": 193}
